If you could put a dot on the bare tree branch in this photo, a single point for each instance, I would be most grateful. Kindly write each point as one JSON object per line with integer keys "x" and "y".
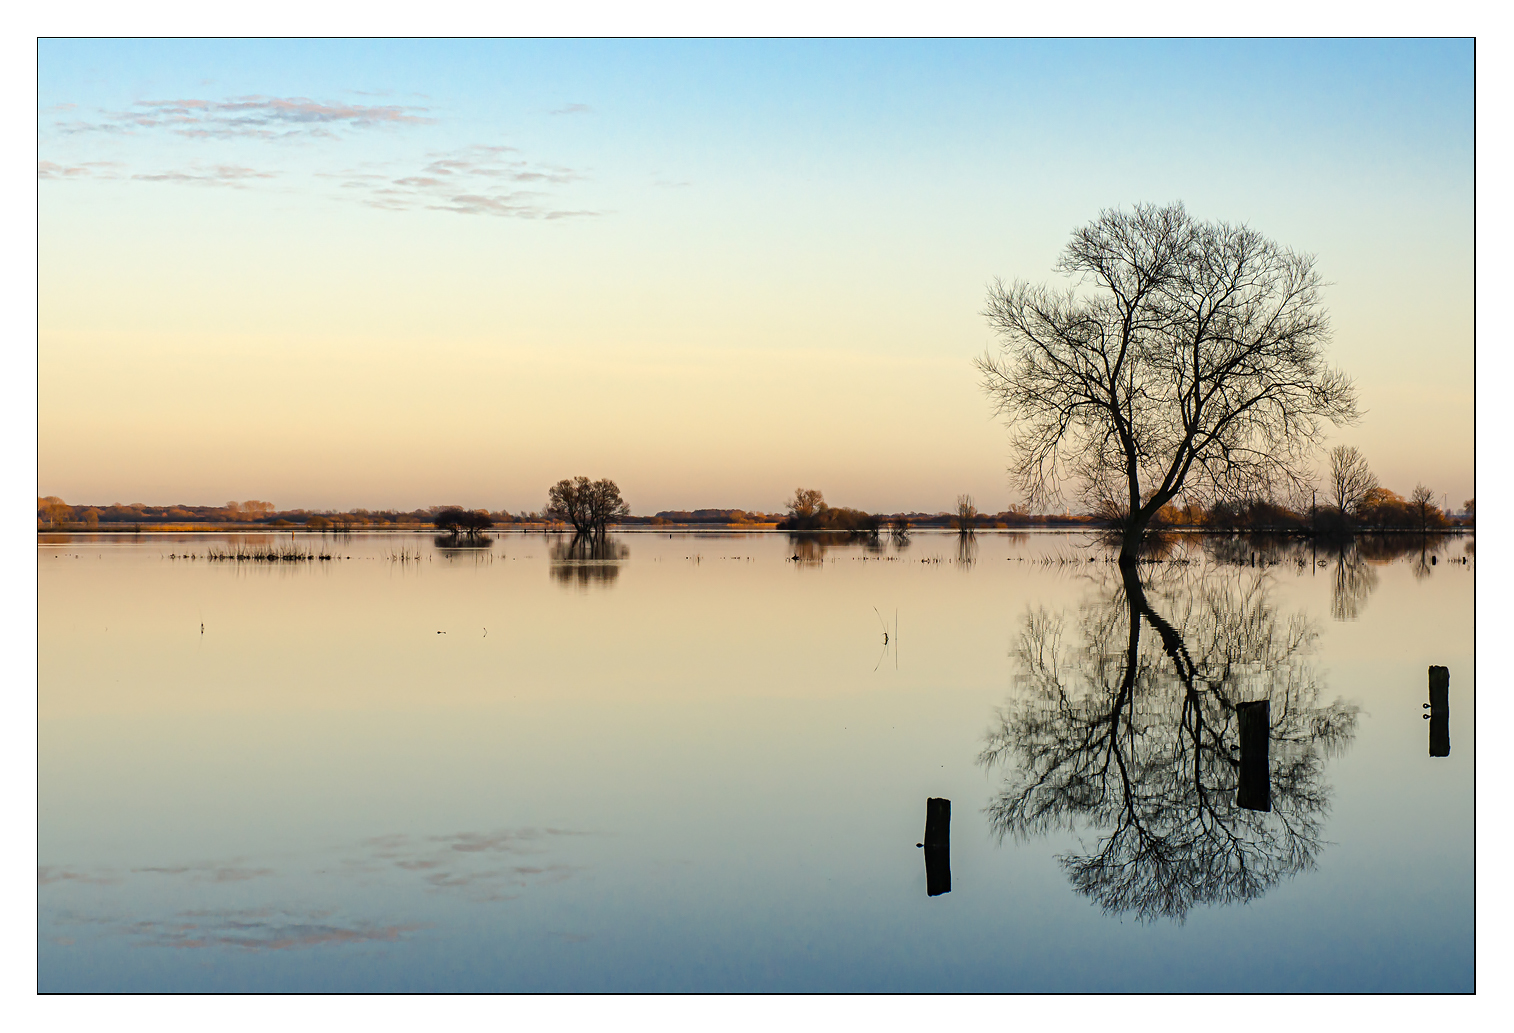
{"x": 1186, "y": 359}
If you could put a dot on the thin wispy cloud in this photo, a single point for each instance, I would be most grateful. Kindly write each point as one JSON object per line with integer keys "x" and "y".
{"x": 478, "y": 180}
{"x": 572, "y": 109}
{"x": 238, "y": 176}
{"x": 484, "y": 179}
{"x": 254, "y": 116}
{"x": 83, "y": 170}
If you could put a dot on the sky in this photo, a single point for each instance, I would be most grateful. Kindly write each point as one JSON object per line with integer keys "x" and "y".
{"x": 379, "y": 274}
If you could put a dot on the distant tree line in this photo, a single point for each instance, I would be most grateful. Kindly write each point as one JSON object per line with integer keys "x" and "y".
{"x": 1380, "y": 510}
{"x": 1349, "y": 500}
{"x": 54, "y": 513}
{"x": 714, "y": 516}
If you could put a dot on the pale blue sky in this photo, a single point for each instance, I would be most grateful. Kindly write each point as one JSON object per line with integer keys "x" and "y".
{"x": 766, "y": 268}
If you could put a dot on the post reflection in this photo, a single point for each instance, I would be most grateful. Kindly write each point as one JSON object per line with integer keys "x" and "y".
{"x": 587, "y": 560}
{"x": 1193, "y": 746}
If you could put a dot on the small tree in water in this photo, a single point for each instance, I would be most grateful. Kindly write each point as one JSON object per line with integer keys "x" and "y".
{"x": 457, "y": 521}
{"x": 588, "y": 505}
{"x": 967, "y": 514}
{"x": 806, "y": 509}
{"x": 1192, "y": 364}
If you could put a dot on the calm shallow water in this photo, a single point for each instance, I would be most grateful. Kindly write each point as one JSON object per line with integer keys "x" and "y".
{"x": 693, "y": 763}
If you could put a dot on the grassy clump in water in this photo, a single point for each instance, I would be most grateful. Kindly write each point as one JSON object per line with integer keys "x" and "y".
{"x": 266, "y": 554}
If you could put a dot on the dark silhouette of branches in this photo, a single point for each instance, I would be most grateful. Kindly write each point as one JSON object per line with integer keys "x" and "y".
{"x": 588, "y": 560}
{"x": 1422, "y": 502}
{"x": 590, "y": 506}
{"x": 1355, "y": 581}
{"x": 806, "y": 508}
{"x": 1194, "y": 365}
{"x": 1133, "y": 736}
{"x": 457, "y": 521}
{"x": 1351, "y": 480}
{"x": 967, "y": 550}
{"x": 967, "y": 514}
{"x": 808, "y": 512}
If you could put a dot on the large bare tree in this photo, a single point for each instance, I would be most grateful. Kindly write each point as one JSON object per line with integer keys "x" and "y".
{"x": 1186, "y": 358}
{"x": 1352, "y": 482}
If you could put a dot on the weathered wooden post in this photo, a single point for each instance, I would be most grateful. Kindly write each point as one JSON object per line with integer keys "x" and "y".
{"x": 1440, "y": 711}
{"x": 938, "y": 864}
{"x": 1255, "y": 725}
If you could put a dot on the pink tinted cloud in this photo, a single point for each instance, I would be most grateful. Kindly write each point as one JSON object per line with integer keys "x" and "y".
{"x": 257, "y": 116}
{"x": 83, "y": 170}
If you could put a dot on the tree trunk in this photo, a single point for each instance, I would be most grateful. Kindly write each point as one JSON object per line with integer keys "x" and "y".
{"x": 1130, "y": 539}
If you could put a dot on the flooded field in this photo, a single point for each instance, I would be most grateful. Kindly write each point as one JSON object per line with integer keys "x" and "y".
{"x": 702, "y": 762}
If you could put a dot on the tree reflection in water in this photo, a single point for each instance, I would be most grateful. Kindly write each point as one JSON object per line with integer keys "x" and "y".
{"x": 1126, "y": 726}
{"x": 808, "y": 550}
{"x": 586, "y": 560}
{"x": 967, "y": 550}
{"x": 1355, "y": 581}
{"x": 455, "y": 547}
{"x": 1354, "y": 561}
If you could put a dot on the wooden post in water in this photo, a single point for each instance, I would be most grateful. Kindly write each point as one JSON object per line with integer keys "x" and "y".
{"x": 1440, "y": 711}
{"x": 1255, "y": 789}
{"x": 938, "y": 865}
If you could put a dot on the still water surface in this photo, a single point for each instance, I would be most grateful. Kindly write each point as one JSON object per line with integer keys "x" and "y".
{"x": 693, "y": 762}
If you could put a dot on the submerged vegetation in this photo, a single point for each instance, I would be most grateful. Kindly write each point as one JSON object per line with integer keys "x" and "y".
{"x": 241, "y": 553}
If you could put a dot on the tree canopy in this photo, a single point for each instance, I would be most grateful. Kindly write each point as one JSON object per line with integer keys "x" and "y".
{"x": 1186, "y": 358}
{"x": 455, "y": 520}
{"x": 588, "y": 505}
